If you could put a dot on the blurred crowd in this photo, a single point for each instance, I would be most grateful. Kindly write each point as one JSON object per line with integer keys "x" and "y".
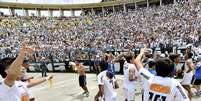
{"x": 64, "y": 37}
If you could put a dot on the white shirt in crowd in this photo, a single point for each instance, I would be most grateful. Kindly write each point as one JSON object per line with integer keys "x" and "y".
{"x": 158, "y": 88}
{"x": 18, "y": 92}
{"x": 109, "y": 86}
{"x": 129, "y": 86}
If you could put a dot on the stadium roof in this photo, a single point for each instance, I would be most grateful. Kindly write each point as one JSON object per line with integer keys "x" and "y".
{"x": 21, "y": 7}
{"x": 65, "y": 6}
{"x": 53, "y": 1}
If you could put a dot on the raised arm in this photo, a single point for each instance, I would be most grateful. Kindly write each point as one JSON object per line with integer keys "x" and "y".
{"x": 145, "y": 74}
{"x": 120, "y": 56}
{"x": 180, "y": 94}
{"x": 14, "y": 69}
{"x": 36, "y": 82}
{"x": 73, "y": 65}
{"x": 138, "y": 61}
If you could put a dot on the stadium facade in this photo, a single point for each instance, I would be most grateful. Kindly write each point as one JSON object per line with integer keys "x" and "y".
{"x": 106, "y": 6}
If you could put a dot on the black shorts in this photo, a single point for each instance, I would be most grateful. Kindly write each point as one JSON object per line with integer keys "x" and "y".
{"x": 196, "y": 81}
{"x": 82, "y": 80}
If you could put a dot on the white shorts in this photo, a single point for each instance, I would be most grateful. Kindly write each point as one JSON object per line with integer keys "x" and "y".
{"x": 187, "y": 78}
{"x": 129, "y": 95}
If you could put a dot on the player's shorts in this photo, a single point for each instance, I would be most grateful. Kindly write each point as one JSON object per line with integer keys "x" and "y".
{"x": 196, "y": 81}
{"x": 82, "y": 80}
{"x": 187, "y": 78}
{"x": 129, "y": 95}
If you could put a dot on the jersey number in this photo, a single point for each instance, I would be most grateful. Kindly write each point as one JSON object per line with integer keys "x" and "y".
{"x": 156, "y": 97}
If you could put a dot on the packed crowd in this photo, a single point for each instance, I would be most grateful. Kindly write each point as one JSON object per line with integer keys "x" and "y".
{"x": 158, "y": 81}
{"x": 169, "y": 25}
{"x": 175, "y": 25}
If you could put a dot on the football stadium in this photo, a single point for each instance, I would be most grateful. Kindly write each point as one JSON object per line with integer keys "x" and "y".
{"x": 100, "y": 50}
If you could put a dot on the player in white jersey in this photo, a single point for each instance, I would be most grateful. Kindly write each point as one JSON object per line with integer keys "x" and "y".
{"x": 18, "y": 92}
{"x": 130, "y": 76}
{"x": 11, "y": 87}
{"x": 161, "y": 87}
{"x": 107, "y": 84}
{"x": 10, "y": 90}
{"x": 31, "y": 83}
{"x": 188, "y": 73}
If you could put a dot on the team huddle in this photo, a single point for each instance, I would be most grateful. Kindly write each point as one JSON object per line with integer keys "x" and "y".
{"x": 157, "y": 77}
{"x": 157, "y": 86}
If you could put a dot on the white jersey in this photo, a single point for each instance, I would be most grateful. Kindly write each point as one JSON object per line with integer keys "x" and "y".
{"x": 158, "y": 88}
{"x": 18, "y": 92}
{"x": 26, "y": 89}
{"x": 127, "y": 84}
{"x": 187, "y": 76}
{"x": 109, "y": 93}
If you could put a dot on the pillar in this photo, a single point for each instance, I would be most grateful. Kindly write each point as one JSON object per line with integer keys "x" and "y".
{"x": 113, "y": 7}
{"x": 50, "y": 13}
{"x": 103, "y": 10}
{"x": 135, "y": 5}
{"x": 83, "y": 13}
{"x": 12, "y": 11}
{"x": 125, "y": 10}
{"x": 161, "y": 2}
{"x": 92, "y": 11}
{"x": 26, "y": 12}
{"x": 61, "y": 12}
{"x": 72, "y": 13}
{"x": 38, "y": 12}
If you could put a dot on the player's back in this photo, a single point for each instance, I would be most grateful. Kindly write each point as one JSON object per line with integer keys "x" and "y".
{"x": 158, "y": 88}
{"x": 164, "y": 89}
{"x": 108, "y": 84}
{"x": 127, "y": 83}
